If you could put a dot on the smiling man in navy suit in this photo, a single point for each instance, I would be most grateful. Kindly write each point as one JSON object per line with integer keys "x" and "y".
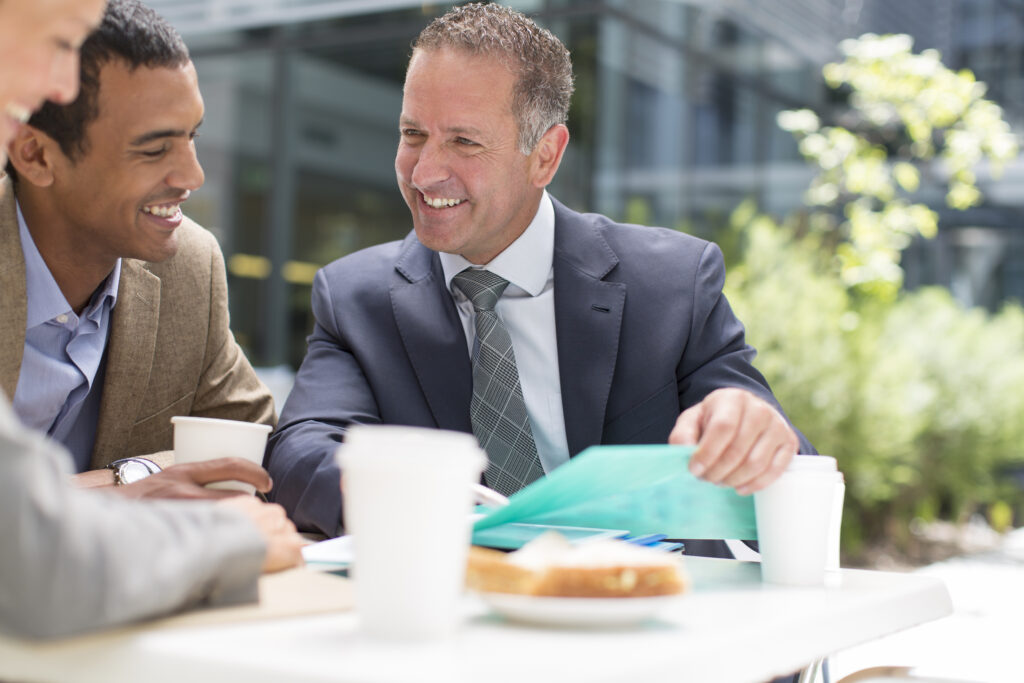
{"x": 541, "y": 330}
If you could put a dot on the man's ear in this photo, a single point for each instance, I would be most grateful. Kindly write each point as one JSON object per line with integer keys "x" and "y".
{"x": 32, "y": 153}
{"x": 547, "y": 155}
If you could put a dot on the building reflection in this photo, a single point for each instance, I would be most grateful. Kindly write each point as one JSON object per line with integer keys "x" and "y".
{"x": 673, "y": 124}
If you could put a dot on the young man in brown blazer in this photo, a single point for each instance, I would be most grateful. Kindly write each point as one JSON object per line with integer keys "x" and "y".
{"x": 115, "y": 303}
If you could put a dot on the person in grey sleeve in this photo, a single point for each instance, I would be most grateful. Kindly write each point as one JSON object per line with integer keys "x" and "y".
{"x": 74, "y": 560}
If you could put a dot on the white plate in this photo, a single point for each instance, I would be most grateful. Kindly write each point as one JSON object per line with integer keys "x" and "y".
{"x": 585, "y": 612}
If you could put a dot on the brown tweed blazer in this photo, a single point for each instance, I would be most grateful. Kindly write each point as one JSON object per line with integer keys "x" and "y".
{"x": 170, "y": 352}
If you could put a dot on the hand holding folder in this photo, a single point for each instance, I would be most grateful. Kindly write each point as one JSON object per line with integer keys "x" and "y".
{"x": 642, "y": 489}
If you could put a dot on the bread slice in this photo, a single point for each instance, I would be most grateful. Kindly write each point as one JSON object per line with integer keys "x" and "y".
{"x": 550, "y": 566}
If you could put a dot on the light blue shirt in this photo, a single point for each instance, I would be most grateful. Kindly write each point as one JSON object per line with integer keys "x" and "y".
{"x": 527, "y": 307}
{"x": 61, "y": 378}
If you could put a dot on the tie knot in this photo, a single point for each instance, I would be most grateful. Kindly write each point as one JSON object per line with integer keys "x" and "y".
{"x": 482, "y": 287}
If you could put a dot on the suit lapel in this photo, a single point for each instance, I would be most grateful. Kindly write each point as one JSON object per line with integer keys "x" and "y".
{"x": 130, "y": 351}
{"x": 13, "y": 300}
{"x": 432, "y": 335}
{"x": 588, "y": 319}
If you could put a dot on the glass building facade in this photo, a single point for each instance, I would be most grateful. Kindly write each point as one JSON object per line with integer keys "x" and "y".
{"x": 673, "y": 123}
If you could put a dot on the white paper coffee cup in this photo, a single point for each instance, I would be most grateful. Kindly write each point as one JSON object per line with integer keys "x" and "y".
{"x": 407, "y": 503}
{"x": 798, "y": 522}
{"x": 206, "y": 438}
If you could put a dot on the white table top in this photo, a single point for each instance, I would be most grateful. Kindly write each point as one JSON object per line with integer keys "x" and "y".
{"x": 731, "y": 628}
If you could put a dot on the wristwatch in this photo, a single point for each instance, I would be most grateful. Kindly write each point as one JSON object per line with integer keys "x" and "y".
{"x": 128, "y": 470}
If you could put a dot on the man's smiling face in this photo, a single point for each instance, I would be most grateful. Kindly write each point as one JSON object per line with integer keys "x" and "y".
{"x": 121, "y": 197}
{"x": 469, "y": 188}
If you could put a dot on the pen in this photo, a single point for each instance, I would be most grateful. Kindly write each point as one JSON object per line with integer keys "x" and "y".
{"x": 489, "y": 497}
{"x": 649, "y": 539}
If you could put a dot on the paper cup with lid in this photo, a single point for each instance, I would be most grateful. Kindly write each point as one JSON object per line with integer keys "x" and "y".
{"x": 798, "y": 522}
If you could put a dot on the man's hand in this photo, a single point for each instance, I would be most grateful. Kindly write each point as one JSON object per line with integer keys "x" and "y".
{"x": 742, "y": 441}
{"x": 284, "y": 545}
{"x": 189, "y": 480}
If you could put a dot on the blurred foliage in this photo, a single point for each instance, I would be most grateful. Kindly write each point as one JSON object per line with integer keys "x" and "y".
{"x": 909, "y": 115}
{"x": 919, "y": 398}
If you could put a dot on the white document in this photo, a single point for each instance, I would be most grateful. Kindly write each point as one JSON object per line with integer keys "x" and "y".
{"x": 332, "y": 551}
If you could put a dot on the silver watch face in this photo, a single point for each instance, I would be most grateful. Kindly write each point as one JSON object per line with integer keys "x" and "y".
{"x": 132, "y": 471}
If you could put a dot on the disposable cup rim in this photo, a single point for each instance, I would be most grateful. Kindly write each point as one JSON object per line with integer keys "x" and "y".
{"x": 813, "y": 463}
{"x": 220, "y": 422}
{"x": 473, "y": 459}
{"x": 428, "y": 435}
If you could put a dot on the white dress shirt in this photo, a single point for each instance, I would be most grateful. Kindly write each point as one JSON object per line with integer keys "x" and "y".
{"x": 527, "y": 307}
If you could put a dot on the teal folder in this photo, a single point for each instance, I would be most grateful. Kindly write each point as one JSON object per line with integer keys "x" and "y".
{"x": 643, "y": 489}
{"x": 514, "y": 535}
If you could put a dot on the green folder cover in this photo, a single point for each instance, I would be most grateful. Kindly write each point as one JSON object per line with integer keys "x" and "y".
{"x": 645, "y": 489}
{"x": 514, "y": 535}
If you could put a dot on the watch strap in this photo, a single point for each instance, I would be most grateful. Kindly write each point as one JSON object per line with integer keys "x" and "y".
{"x": 118, "y": 468}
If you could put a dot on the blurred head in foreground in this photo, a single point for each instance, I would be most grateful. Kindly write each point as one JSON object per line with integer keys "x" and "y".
{"x": 39, "y": 42}
{"x": 105, "y": 175}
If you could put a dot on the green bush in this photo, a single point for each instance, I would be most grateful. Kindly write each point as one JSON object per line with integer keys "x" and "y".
{"x": 919, "y": 399}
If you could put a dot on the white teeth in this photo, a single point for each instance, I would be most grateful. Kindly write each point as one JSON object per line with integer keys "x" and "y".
{"x": 18, "y": 112}
{"x": 439, "y": 203}
{"x": 162, "y": 211}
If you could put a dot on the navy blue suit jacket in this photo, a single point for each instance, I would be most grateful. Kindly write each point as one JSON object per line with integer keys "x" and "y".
{"x": 643, "y": 332}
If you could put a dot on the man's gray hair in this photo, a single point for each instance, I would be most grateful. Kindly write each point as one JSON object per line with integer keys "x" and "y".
{"x": 543, "y": 87}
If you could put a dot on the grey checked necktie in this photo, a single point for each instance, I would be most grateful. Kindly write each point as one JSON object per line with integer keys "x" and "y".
{"x": 497, "y": 411}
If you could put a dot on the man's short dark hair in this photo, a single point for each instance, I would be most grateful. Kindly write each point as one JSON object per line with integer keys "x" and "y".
{"x": 129, "y": 32}
{"x": 543, "y": 87}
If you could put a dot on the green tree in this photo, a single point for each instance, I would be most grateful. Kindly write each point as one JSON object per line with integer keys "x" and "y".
{"x": 908, "y": 115}
{"x": 917, "y": 397}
